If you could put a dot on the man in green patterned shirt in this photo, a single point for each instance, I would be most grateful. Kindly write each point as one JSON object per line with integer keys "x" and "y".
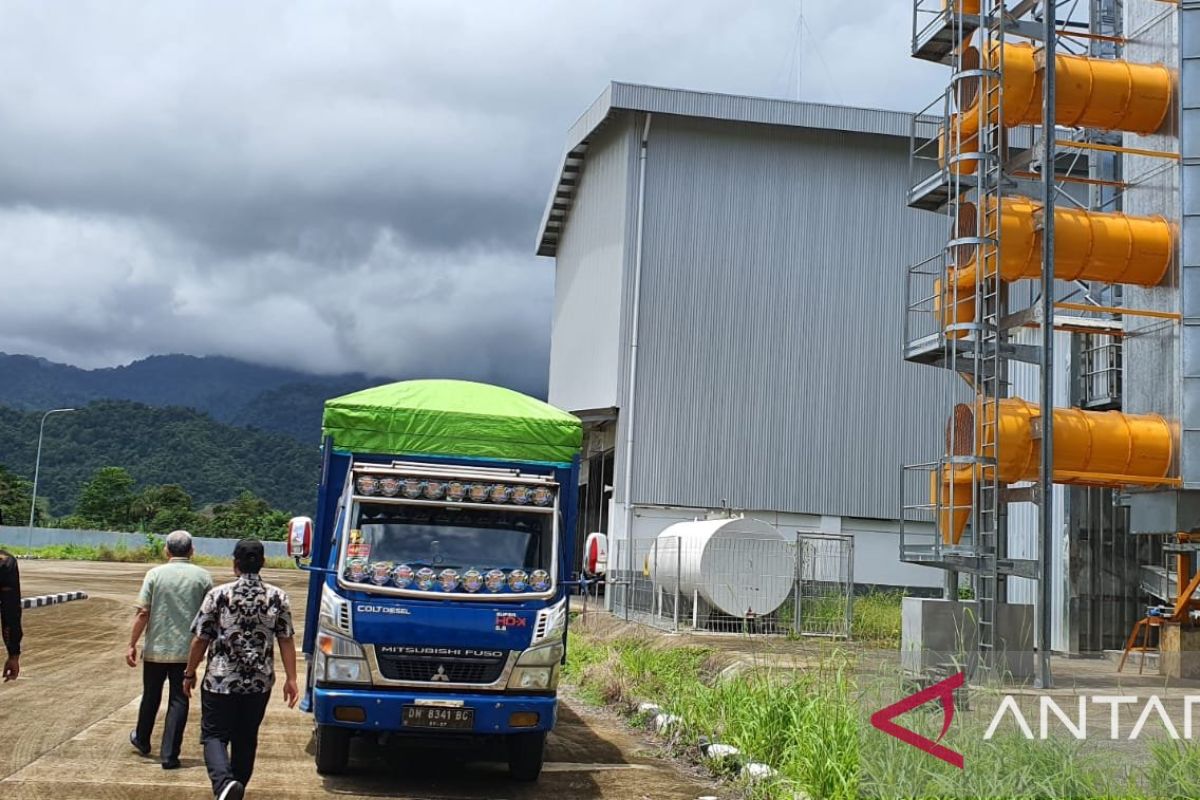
{"x": 170, "y": 597}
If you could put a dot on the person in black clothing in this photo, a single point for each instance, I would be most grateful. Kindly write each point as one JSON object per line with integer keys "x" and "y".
{"x": 10, "y": 614}
{"x": 238, "y": 627}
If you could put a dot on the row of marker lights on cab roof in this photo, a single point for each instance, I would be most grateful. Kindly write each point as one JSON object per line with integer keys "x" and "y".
{"x": 404, "y": 577}
{"x": 454, "y": 491}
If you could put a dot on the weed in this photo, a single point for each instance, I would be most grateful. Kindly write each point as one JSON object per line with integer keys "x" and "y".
{"x": 121, "y": 554}
{"x": 812, "y": 725}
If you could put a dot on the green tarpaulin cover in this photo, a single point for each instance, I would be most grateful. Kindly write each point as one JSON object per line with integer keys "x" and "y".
{"x": 452, "y": 418}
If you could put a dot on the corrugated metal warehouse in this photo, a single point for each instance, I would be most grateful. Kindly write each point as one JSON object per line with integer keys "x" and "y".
{"x": 727, "y": 276}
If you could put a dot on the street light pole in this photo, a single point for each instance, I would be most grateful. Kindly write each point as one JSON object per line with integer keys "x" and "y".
{"x": 37, "y": 468}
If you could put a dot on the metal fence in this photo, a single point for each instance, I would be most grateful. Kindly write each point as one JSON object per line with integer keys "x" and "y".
{"x": 744, "y": 585}
{"x": 825, "y": 586}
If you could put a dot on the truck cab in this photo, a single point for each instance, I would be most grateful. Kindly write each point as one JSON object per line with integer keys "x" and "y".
{"x": 440, "y": 563}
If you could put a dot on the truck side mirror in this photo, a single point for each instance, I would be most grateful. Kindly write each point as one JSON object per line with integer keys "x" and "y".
{"x": 595, "y": 554}
{"x": 300, "y": 534}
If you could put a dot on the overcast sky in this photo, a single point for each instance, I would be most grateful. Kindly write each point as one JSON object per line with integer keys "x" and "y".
{"x": 351, "y": 185}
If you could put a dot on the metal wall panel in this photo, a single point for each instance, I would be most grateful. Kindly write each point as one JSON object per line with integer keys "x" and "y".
{"x": 1023, "y": 536}
{"x": 769, "y": 373}
{"x": 1189, "y": 281}
{"x": 589, "y": 287}
{"x": 625, "y": 99}
{"x": 1152, "y": 381}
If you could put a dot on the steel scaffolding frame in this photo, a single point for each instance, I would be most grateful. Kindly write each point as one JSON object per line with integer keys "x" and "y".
{"x": 998, "y": 161}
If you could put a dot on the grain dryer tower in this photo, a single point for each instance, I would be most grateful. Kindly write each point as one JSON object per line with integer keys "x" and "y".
{"x": 1060, "y": 158}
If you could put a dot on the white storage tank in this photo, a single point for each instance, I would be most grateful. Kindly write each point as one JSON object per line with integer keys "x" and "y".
{"x": 740, "y": 567}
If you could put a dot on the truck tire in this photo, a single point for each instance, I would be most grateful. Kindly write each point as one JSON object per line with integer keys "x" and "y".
{"x": 526, "y": 752}
{"x": 332, "y": 749}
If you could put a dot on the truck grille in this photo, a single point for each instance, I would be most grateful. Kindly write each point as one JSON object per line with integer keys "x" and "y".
{"x": 441, "y": 669}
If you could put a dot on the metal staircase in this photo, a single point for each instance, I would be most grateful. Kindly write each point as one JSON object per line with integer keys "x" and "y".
{"x": 955, "y": 173}
{"x": 967, "y": 185}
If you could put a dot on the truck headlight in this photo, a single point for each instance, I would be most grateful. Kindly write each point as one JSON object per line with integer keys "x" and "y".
{"x": 339, "y": 646}
{"x": 546, "y": 655}
{"x": 346, "y": 670}
{"x": 533, "y": 678}
{"x": 340, "y": 660}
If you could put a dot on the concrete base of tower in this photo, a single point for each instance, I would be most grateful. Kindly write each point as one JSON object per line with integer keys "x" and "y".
{"x": 942, "y": 637}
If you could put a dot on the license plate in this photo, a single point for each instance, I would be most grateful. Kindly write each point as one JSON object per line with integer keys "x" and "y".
{"x": 435, "y": 717}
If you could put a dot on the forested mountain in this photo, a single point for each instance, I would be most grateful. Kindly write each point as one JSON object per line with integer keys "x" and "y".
{"x": 215, "y": 426}
{"x": 294, "y": 409}
{"x": 228, "y": 390}
{"x": 214, "y": 462}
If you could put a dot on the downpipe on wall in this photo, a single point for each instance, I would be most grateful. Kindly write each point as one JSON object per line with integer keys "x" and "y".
{"x": 627, "y": 412}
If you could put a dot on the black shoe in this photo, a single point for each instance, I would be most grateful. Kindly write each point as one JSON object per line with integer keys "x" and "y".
{"x": 172, "y": 764}
{"x": 232, "y": 791}
{"x": 144, "y": 749}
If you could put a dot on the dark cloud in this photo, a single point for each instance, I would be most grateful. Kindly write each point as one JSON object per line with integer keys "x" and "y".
{"x": 346, "y": 186}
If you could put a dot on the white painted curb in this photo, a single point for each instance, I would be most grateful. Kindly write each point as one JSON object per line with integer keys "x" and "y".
{"x": 717, "y": 755}
{"x": 52, "y": 599}
{"x": 756, "y": 771}
{"x": 719, "y": 752}
{"x": 664, "y": 721}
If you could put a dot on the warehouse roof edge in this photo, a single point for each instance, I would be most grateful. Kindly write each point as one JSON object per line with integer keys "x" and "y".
{"x": 618, "y": 97}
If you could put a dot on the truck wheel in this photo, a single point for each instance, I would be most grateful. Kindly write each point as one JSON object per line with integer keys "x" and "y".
{"x": 526, "y": 752}
{"x": 332, "y": 749}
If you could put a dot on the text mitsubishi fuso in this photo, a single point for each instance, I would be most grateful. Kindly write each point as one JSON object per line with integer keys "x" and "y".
{"x": 440, "y": 556}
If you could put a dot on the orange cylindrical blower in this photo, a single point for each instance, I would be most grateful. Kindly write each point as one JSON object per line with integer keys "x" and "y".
{"x": 1091, "y": 448}
{"x": 1098, "y": 93}
{"x": 1088, "y": 246}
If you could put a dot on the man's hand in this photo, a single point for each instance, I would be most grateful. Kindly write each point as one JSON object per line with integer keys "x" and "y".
{"x": 141, "y": 618}
{"x": 12, "y": 668}
{"x": 290, "y": 693}
{"x": 188, "y": 683}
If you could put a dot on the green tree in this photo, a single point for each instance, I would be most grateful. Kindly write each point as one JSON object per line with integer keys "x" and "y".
{"x": 162, "y": 509}
{"x": 246, "y": 516}
{"x": 273, "y": 526}
{"x": 15, "y": 494}
{"x": 211, "y": 461}
{"x": 107, "y": 500}
{"x": 173, "y": 519}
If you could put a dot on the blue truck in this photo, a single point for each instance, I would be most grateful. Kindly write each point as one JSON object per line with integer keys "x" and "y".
{"x": 441, "y": 563}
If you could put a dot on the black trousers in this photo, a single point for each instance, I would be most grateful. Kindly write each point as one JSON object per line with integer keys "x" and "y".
{"x": 229, "y": 733}
{"x": 154, "y": 675}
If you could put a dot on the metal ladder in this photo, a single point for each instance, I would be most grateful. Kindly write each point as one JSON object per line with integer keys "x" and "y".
{"x": 990, "y": 372}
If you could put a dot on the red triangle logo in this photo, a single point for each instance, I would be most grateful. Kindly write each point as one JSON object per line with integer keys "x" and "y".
{"x": 944, "y": 691}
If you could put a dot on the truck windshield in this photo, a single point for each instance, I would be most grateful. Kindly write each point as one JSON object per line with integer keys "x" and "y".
{"x": 459, "y": 538}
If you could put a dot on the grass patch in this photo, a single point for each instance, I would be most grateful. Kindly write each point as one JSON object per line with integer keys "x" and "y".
{"x": 124, "y": 555}
{"x": 804, "y": 726}
{"x": 875, "y": 620}
{"x": 812, "y": 725}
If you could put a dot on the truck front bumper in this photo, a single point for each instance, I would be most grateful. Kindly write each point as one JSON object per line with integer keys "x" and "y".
{"x": 383, "y": 710}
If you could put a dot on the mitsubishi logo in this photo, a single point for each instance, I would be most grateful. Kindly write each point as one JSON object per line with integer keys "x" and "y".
{"x": 440, "y": 675}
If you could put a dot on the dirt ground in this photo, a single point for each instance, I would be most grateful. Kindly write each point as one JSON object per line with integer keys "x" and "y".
{"x": 64, "y": 725}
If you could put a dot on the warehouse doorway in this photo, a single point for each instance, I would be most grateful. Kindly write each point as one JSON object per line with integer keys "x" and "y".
{"x": 595, "y": 496}
{"x": 595, "y": 476}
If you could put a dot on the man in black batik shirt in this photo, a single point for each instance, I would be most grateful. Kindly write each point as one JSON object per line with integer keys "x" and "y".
{"x": 238, "y": 626}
